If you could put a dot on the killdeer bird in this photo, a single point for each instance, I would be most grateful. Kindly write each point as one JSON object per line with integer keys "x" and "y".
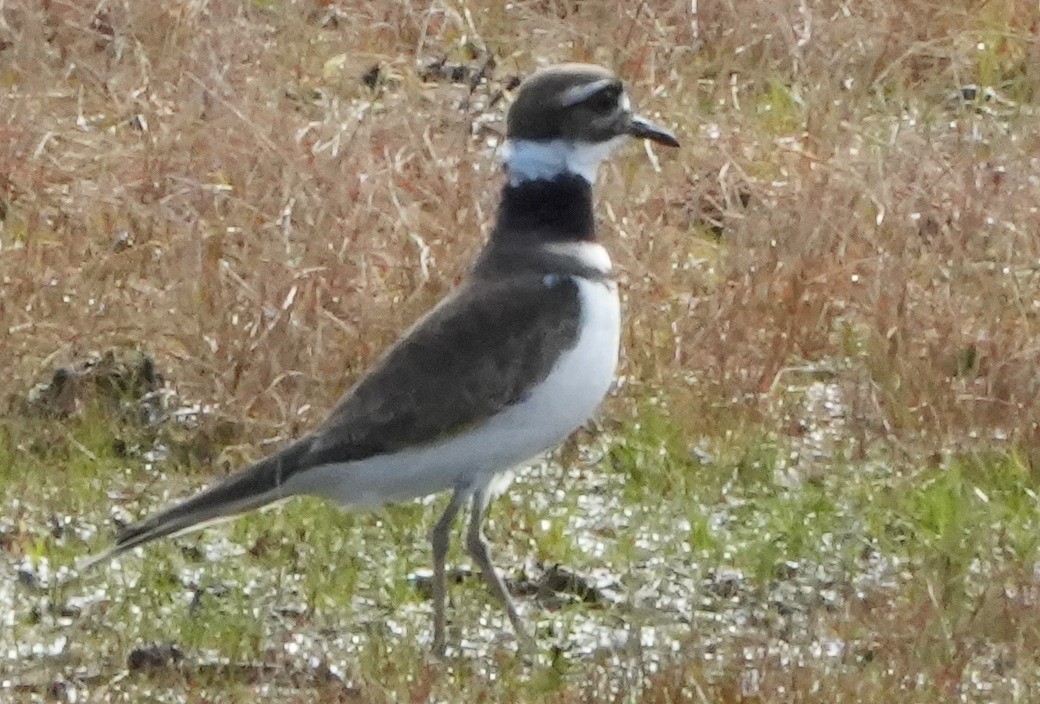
{"x": 504, "y": 368}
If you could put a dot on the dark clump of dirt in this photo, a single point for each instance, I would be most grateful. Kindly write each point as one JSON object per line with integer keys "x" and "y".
{"x": 477, "y": 74}
{"x": 147, "y": 417}
{"x": 127, "y": 381}
{"x": 470, "y": 73}
{"x": 153, "y": 657}
{"x": 553, "y": 585}
{"x": 558, "y": 580}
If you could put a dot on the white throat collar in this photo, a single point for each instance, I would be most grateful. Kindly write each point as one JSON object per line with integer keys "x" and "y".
{"x": 528, "y": 160}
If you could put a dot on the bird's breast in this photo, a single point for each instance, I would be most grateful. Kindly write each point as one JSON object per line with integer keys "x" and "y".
{"x": 583, "y": 375}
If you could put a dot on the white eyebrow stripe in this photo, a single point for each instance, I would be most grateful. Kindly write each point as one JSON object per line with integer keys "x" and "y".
{"x": 578, "y": 94}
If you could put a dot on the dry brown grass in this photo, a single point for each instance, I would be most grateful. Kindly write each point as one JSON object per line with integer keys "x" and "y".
{"x": 199, "y": 180}
{"x": 193, "y": 179}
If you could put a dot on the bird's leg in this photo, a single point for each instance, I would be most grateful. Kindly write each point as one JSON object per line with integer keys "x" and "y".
{"x": 476, "y": 545}
{"x": 439, "y": 541}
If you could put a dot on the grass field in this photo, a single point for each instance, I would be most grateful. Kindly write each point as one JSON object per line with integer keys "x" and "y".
{"x": 817, "y": 480}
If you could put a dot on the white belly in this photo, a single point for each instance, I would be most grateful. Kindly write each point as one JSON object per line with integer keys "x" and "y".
{"x": 561, "y": 404}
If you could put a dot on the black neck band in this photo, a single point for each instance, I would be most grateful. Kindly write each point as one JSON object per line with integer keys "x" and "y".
{"x": 546, "y": 210}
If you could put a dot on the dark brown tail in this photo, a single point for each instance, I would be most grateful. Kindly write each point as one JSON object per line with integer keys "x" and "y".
{"x": 251, "y": 488}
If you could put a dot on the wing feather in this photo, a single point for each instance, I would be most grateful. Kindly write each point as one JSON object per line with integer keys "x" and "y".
{"x": 478, "y": 352}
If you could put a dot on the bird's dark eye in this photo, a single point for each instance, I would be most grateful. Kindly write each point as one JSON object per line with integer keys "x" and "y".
{"x": 605, "y": 100}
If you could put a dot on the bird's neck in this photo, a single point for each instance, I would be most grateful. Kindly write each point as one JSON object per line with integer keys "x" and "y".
{"x": 545, "y": 210}
{"x": 540, "y": 160}
{"x": 548, "y": 193}
{"x": 545, "y": 222}
{"x": 545, "y": 226}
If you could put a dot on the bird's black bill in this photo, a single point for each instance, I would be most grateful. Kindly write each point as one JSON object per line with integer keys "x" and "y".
{"x": 644, "y": 129}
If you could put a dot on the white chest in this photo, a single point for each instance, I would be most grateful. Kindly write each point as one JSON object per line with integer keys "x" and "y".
{"x": 583, "y": 375}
